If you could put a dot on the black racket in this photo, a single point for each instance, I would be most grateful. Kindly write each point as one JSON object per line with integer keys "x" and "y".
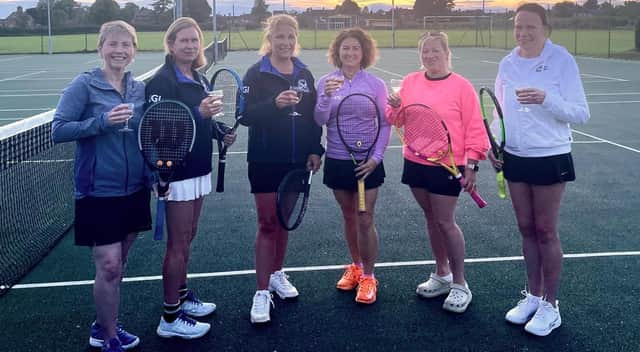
{"x": 227, "y": 82}
{"x": 491, "y": 111}
{"x": 358, "y": 124}
{"x": 166, "y": 135}
{"x": 293, "y": 197}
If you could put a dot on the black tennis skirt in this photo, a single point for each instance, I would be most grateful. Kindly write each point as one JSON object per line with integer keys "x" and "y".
{"x": 266, "y": 177}
{"x": 107, "y": 220}
{"x": 340, "y": 175}
{"x": 435, "y": 179}
{"x": 539, "y": 171}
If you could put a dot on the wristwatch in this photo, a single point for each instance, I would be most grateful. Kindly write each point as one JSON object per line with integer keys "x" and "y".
{"x": 473, "y": 167}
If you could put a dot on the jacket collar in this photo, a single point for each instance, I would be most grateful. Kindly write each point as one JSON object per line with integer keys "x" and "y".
{"x": 98, "y": 79}
{"x": 546, "y": 50}
{"x": 266, "y": 66}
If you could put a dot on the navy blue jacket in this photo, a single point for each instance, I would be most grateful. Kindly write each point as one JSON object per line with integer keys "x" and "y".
{"x": 274, "y": 136}
{"x": 166, "y": 85}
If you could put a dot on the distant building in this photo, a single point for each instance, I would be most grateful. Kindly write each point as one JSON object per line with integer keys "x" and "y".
{"x": 18, "y": 20}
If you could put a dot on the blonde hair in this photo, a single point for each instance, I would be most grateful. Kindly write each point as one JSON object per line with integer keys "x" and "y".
{"x": 444, "y": 42}
{"x": 271, "y": 25}
{"x": 171, "y": 33}
{"x": 368, "y": 44}
{"x": 116, "y": 27}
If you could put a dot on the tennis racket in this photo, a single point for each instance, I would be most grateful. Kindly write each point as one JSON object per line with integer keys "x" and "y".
{"x": 490, "y": 111}
{"x": 292, "y": 198}
{"x": 358, "y": 124}
{"x": 166, "y": 135}
{"x": 426, "y": 135}
{"x": 230, "y": 83}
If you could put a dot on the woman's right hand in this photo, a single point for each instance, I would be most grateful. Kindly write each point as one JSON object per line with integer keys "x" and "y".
{"x": 497, "y": 164}
{"x": 394, "y": 100}
{"x": 119, "y": 114}
{"x": 210, "y": 106}
{"x": 331, "y": 86}
{"x": 287, "y": 98}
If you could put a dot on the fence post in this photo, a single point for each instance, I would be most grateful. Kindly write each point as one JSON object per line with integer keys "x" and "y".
{"x": 638, "y": 34}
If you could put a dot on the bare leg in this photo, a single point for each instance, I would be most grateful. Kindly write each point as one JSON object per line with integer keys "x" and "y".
{"x": 438, "y": 246}
{"x": 106, "y": 289}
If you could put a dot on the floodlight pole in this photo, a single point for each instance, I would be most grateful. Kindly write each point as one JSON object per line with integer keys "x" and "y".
{"x": 50, "y": 45}
{"x": 177, "y": 9}
{"x": 283, "y": 5}
{"x": 393, "y": 24}
{"x": 215, "y": 31}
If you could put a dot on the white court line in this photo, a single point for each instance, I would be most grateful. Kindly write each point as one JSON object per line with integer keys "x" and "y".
{"x": 605, "y": 77}
{"x": 607, "y": 141}
{"x": 25, "y": 75}
{"x": 33, "y": 109}
{"x": 588, "y": 142}
{"x": 44, "y": 79}
{"x": 387, "y": 72}
{"x": 490, "y": 62}
{"x": 607, "y": 94}
{"x": 92, "y": 61}
{"x": 12, "y": 59}
{"x": 28, "y": 90}
{"x": 321, "y": 268}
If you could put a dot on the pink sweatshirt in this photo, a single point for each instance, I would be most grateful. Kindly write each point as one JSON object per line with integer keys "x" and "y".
{"x": 455, "y": 100}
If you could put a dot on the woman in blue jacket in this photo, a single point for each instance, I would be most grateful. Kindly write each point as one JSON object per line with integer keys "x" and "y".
{"x": 111, "y": 179}
{"x": 278, "y": 143}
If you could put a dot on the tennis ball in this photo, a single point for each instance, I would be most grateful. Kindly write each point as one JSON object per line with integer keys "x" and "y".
{"x": 159, "y": 163}
{"x": 169, "y": 163}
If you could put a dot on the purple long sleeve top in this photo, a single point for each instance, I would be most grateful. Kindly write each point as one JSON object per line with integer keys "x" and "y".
{"x": 326, "y": 110}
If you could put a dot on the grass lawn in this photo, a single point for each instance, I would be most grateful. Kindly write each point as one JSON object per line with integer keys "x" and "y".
{"x": 583, "y": 42}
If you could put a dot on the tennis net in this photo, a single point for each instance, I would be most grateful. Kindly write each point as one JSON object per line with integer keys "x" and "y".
{"x": 36, "y": 189}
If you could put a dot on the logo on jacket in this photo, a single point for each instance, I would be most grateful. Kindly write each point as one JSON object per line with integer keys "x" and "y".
{"x": 302, "y": 84}
{"x": 245, "y": 90}
{"x": 154, "y": 98}
{"x": 541, "y": 68}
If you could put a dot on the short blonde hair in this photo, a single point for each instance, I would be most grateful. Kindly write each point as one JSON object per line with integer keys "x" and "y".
{"x": 271, "y": 25}
{"x": 171, "y": 33}
{"x": 116, "y": 27}
{"x": 368, "y": 44}
{"x": 444, "y": 42}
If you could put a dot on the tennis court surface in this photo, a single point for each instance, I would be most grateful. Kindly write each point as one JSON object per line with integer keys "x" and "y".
{"x": 51, "y": 307}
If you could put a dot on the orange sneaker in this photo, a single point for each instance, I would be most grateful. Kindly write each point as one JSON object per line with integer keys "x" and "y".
{"x": 350, "y": 277}
{"x": 367, "y": 289}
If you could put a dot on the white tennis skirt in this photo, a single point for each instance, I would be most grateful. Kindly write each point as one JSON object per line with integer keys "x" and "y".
{"x": 190, "y": 189}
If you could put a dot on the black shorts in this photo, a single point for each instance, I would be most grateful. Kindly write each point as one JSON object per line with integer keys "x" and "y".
{"x": 107, "y": 220}
{"x": 340, "y": 175}
{"x": 539, "y": 171}
{"x": 434, "y": 179}
{"x": 266, "y": 177}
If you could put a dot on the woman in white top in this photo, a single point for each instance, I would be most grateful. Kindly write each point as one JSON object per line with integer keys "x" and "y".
{"x": 540, "y": 91}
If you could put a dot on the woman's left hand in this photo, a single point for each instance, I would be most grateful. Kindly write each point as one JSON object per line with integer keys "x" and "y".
{"x": 229, "y": 139}
{"x": 470, "y": 180}
{"x": 314, "y": 162}
{"x": 531, "y": 96}
{"x": 365, "y": 169}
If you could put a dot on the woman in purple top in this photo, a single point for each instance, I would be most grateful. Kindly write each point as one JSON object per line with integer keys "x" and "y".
{"x": 352, "y": 51}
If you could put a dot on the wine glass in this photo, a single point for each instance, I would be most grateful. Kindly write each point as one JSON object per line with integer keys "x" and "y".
{"x": 519, "y": 90}
{"x": 300, "y": 90}
{"x": 338, "y": 78}
{"x": 217, "y": 93}
{"x": 395, "y": 85}
{"x": 126, "y": 128}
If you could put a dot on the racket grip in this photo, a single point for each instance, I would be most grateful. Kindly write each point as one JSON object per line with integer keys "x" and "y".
{"x": 478, "y": 199}
{"x": 362, "y": 207}
{"x": 160, "y": 211}
{"x": 221, "y": 169}
{"x": 502, "y": 188}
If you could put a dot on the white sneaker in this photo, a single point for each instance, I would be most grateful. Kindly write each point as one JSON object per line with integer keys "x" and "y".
{"x": 262, "y": 303}
{"x": 279, "y": 283}
{"x": 183, "y": 327}
{"x": 196, "y": 308}
{"x": 545, "y": 320}
{"x": 525, "y": 309}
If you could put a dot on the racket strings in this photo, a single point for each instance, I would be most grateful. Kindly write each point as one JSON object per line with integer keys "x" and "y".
{"x": 166, "y": 135}
{"x": 358, "y": 123}
{"x": 291, "y": 197}
{"x": 423, "y": 132}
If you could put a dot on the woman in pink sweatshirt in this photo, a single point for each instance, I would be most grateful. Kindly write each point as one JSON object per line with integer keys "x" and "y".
{"x": 436, "y": 191}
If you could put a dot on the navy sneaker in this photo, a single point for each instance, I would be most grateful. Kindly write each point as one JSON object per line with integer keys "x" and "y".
{"x": 113, "y": 345}
{"x": 127, "y": 339}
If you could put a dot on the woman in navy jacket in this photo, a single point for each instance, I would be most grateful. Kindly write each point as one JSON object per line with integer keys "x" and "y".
{"x": 179, "y": 80}
{"x": 278, "y": 143}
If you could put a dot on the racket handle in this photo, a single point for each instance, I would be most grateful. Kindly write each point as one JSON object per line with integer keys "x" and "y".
{"x": 475, "y": 195}
{"x": 502, "y": 188}
{"x": 157, "y": 235}
{"x": 222, "y": 162}
{"x": 362, "y": 207}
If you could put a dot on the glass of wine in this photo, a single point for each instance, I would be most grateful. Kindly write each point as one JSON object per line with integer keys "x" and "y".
{"x": 217, "y": 93}
{"x": 395, "y": 85}
{"x": 300, "y": 92}
{"x": 126, "y": 128}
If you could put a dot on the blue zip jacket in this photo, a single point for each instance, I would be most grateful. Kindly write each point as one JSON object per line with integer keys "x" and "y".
{"x": 108, "y": 162}
{"x": 274, "y": 136}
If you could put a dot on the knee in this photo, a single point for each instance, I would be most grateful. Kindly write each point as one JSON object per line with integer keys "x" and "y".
{"x": 526, "y": 228}
{"x": 365, "y": 220}
{"x": 268, "y": 225}
{"x": 110, "y": 269}
{"x": 546, "y": 234}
